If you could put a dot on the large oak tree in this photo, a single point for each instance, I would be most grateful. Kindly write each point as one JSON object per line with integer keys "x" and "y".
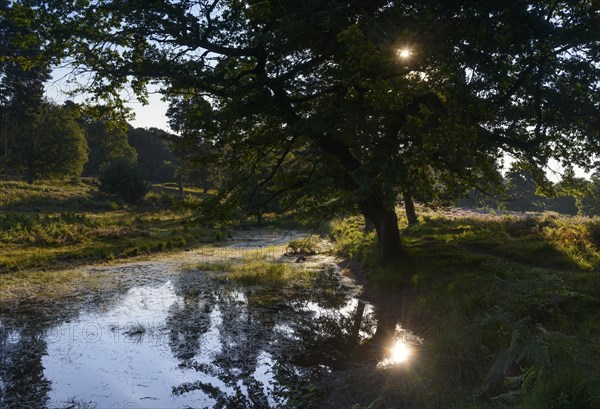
{"x": 312, "y": 99}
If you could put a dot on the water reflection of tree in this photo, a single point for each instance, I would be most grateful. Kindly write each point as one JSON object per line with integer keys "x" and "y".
{"x": 281, "y": 324}
{"x": 331, "y": 337}
{"x": 245, "y": 331}
{"x": 22, "y": 380}
{"x": 188, "y": 321}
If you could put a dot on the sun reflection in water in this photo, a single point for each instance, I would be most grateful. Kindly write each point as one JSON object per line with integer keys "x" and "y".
{"x": 402, "y": 349}
{"x": 400, "y": 352}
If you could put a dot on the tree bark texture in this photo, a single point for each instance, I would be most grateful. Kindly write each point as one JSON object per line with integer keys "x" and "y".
{"x": 385, "y": 221}
{"x": 409, "y": 207}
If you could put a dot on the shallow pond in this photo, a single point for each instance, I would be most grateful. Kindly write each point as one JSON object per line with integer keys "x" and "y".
{"x": 163, "y": 335}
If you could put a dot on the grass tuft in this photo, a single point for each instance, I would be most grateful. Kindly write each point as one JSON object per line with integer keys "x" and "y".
{"x": 268, "y": 274}
{"x": 308, "y": 246}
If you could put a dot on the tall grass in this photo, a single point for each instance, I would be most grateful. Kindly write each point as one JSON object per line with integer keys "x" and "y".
{"x": 48, "y": 224}
{"x": 52, "y": 196}
{"x": 508, "y": 306}
{"x": 578, "y": 238}
{"x": 352, "y": 242}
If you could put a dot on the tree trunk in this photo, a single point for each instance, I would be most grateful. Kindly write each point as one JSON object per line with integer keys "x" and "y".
{"x": 388, "y": 237}
{"x": 180, "y": 186}
{"x": 358, "y": 317}
{"x": 373, "y": 206}
{"x": 368, "y": 226}
{"x": 386, "y": 225}
{"x": 409, "y": 207}
{"x": 4, "y": 155}
{"x": 30, "y": 171}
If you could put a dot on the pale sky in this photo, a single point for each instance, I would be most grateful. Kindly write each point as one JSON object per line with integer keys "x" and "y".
{"x": 152, "y": 115}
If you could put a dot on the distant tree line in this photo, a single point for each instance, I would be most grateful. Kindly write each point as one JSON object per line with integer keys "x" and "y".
{"x": 40, "y": 139}
{"x": 522, "y": 191}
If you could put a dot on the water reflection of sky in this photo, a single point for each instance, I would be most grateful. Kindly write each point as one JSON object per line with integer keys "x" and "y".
{"x": 93, "y": 359}
{"x": 402, "y": 348}
{"x": 182, "y": 341}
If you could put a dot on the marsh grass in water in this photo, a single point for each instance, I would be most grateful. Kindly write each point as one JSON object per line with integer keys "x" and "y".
{"x": 57, "y": 284}
{"x": 269, "y": 274}
{"x": 263, "y": 267}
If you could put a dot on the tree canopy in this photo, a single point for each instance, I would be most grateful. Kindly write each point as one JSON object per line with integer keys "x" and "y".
{"x": 333, "y": 105}
{"x": 107, "y": 143}
{"x": 39, "y": 139}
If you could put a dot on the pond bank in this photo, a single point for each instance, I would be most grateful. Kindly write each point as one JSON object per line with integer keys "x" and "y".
{"x": 507, "y": 305}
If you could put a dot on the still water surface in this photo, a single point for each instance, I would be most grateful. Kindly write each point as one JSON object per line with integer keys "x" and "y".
{"x": 175, "y": 337}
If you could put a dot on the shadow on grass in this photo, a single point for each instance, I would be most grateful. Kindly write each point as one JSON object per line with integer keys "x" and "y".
{"x": 503, "y": 304}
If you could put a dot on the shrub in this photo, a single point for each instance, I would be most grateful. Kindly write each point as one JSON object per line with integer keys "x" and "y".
{"x": 121, "y": 177}
{"x": 307, "y": 246}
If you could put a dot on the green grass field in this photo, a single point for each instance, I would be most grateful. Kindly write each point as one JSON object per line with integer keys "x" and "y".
{"x": 509, "y": 307}
{"x": 50, "y": 225}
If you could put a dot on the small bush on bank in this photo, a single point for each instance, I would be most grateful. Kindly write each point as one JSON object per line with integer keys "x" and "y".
{"x": 307, "y": 247}
{"x": 122, "y": 178}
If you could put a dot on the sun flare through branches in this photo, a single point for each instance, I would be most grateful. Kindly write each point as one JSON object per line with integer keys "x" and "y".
{"x": 404, "y": 53}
